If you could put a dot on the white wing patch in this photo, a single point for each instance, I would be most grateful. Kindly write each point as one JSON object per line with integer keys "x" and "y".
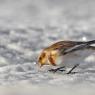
{"x": 77, "y": 57}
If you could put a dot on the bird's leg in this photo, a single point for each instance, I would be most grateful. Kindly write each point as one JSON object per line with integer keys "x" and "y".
{"x": 57, "y": 69}
{"x": 70, "y": 71}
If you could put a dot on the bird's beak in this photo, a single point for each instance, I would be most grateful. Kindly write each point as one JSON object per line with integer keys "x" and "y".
{"x": 40, "y": 65}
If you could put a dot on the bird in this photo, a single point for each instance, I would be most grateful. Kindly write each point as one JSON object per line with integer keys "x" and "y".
{"x": 66, "y": 54}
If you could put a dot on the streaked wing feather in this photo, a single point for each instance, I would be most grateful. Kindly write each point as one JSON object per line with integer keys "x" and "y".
{"x": 78, "y": 47}
{"x": 64, "y": 44}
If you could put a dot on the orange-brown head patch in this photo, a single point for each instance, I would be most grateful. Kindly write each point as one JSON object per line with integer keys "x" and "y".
{"x": 43, "y": 58}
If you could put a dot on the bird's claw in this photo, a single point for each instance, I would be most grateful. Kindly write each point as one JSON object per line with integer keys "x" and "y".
{"x": 57, "y": 69}
{"x": 71, "y": 72}
{"x": 53, "y": 70}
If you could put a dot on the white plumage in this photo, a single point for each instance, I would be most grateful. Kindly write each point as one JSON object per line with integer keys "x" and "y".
{"x": 77, "y": 57}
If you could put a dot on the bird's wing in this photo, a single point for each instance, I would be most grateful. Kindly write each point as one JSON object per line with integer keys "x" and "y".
{"x": 75, "y": 44}
{"x": 64, "y": 45}
{"x": 78, "y": 47}
{"x": 69, "y": 46}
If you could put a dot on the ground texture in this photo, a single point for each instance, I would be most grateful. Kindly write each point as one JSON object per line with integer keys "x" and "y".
{"x": 26, "y": 27}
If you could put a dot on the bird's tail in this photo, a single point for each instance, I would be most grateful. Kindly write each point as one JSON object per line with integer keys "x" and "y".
{"x": 90, "y": 42}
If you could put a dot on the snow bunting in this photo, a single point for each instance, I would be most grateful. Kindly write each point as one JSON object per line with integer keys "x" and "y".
{"x": 66, "y": 53}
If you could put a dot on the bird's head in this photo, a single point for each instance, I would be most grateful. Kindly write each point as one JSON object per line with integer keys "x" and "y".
{"x": 48, "y": 57}
{"x": 43, "y": 58}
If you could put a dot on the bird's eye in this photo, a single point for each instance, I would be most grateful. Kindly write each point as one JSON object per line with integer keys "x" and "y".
{"x": 40, "y": 58}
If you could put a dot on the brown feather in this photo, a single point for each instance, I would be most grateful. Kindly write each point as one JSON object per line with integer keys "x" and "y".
{"x": 64, "y": 44}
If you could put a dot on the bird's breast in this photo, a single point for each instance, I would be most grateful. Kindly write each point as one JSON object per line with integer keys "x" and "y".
{"x": 77, "y": 57}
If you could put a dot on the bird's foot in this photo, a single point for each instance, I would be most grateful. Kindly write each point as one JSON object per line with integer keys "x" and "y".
{"x": 70, "y": 72}
{"x": 57, "y": 69}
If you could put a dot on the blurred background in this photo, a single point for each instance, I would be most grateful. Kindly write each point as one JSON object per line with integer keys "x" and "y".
{"x": 26, "y": 27}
